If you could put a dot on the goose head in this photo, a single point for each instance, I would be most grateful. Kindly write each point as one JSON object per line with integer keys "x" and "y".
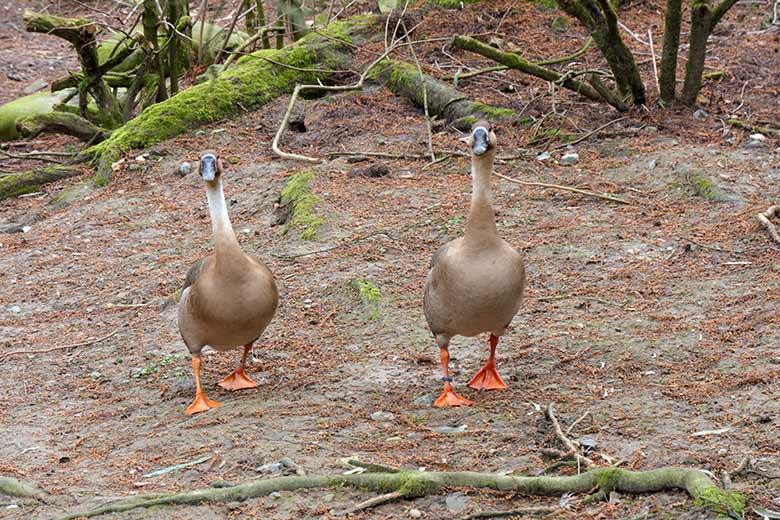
{"x": 210, "y": 167}
{"x": 482, "y": 140}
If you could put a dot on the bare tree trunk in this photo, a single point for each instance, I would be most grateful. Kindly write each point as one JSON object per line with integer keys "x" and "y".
{"x": 601, "y": 22}
{"x": 179, "y": 48}
{"x": 668, "y": 77}
{"x": 151, "y": 18}
{"x": 701, "y": 14}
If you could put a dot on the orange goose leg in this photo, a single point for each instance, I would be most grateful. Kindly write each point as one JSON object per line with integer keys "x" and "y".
{"x": 488, "y": 378}
{"x": 238, "y": 380}
{"x": 448, "y": 396}
{"x": 201, "y": 402}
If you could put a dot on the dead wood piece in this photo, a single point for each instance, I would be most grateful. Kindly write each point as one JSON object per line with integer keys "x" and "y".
{"x": 563, "y": 188}
{"x": 15, "y": 184}
{"x": 372, "y": 502}
{"x": 442, "y": 100}
{"x": 764, "y": 217}
{"x": 413, "y": 484}
{"x": 90, "y": 341}
{"x": 62, "y": 123}
{"x": 573, "y": 449}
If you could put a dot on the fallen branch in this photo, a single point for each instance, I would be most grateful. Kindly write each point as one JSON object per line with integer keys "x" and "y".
{"x": 15, "y": 184}
{"x": 516, "y": 61}
{"x": 764, "y": 217}
{"x": 372, "y": 502}
{"x": 63, "y": 123}
{"x": 564, "y": 188}
{"x": 768, "y": 130}
{"x": 90, "y": 341}
{"x": 413, "y": 484}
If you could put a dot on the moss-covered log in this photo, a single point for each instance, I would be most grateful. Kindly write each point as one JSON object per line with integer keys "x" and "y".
{"x": 15, "y": 184}
{"x": 14, "y": 488}
{"x": 63, "y": 123}
{"x": 412, "y": 484}
{"x": 515, "y": 61}
{"x": 444, "y": 101}
{"x": 253, "y": 82}
{"x": 38, "y": 103}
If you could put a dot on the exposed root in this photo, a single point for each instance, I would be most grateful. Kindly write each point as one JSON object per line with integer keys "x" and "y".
{"x": 764, "y": 217}
{"x": 413, "y": 484}
{"x": 573, "y": 449}
{"x": 12, "y": 487}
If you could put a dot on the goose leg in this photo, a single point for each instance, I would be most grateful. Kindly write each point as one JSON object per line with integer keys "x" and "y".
{"x": 488, "y": 377}
{"x": 448, "y": 396}
{"x": 238, "y": 380}
{"x": 201, "y": 402}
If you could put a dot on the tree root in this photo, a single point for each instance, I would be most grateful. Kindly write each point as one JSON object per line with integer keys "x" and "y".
{"x": 413, "y": 484}
{"x": 764, "y": 217}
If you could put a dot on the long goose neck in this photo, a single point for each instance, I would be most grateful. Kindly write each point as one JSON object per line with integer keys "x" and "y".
{"x": 225, "y": 240}
{"x": 482, "y": 217}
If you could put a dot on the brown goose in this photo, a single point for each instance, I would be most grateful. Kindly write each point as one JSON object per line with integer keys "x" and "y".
{"x": 476, "y": 281}
{"x": 228, "y": 298}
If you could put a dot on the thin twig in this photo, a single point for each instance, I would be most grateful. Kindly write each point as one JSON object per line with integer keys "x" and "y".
{"x": 713, "y": 248}
{"x": 582, "y": 138}
{"x": 564, "y": 188}
{"x": 573, "y": 449}
{"x": 578, "y": 421}
{"x": 291, "y": 105}
{"x": 29, "y": 157}
{"x": 652, "y": 51}
{"x": 61, "y": 347}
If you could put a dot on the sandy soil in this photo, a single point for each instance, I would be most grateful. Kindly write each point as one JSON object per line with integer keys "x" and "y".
{"x": 659, "y": 317}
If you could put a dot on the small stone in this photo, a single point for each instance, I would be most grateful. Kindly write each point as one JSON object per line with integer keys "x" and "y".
{"x": 15, "y": 309}
{"x": 451, "y": 429}
{"x": 758, "y": 137}
{"x": 25, "y": 229}
{"x": 246, "y": 231}
{"x": 543, "y": 156}
{"x": 372, "y": 170}
{"x": 141, "y": 158}
{"x": 201, "y": 133}
{"x": 755, "y": 143}
{"x": 184, "y": 169}
{"x": 275, "y": 495}
{"x": 587, "y": 444}
{"x": 456, "y": 502}
{"x": 423, "y": 400}
{"x": 415, "y": 513}
{"x": 96, "y": 375}
{"x": 652, "y": 164}
{"x": 701, "y": 114}
{"x": 570, "y": 158}
{"x": 273, "y": 467}
{"x": 356, "y": 159}
{"x": 382, "y": 416}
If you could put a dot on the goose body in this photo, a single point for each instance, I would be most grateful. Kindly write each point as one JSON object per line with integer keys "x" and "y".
{"x": 228, "y": 299}
{"x": 475, "y": 283}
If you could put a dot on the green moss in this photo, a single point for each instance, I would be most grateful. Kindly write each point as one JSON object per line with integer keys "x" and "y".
{"x": 369, "y": 293}
{"x": 177, "y": 295}
{"x": 304, "y": 204}
{"x": 607, "y": 481}
{"x": 495, "y": 112}
{"x": 410, "y": 484}
{"x": 731, "y": 503}
{"x": 705, "y": 187}
{"x": 453, "y": 4}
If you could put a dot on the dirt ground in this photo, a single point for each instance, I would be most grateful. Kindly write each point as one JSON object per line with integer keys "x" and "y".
{"x": 659, "y": 317}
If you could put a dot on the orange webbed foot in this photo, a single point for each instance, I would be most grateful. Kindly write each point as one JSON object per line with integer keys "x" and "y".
{"x": 201, "y": 404}
{"x": 237, "y": 380}
{"x": 450, "y": 398}
{"x": 488, "y": 379}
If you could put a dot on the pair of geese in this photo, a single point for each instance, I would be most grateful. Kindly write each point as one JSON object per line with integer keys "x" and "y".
{"x": 475, "y": 285}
